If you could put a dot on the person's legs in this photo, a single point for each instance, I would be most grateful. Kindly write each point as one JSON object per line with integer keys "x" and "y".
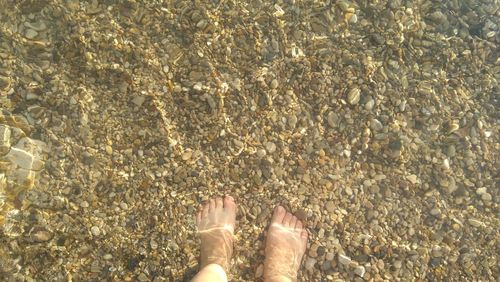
{"x": 285, "y": 246}
{"x": 216, "y": 222}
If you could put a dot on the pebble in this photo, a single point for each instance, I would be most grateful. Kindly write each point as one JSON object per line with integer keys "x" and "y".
{"x": 274, "y": 84}
{"x": 187, "y": 155}
{"x": 481, "y": 191}
{"x": 84, "y": 204}
{"x": 397, "y": 264}
{"x": 270, "y": 147}
{"x": 107, "y": 256}
{"x": 310, "y": 262}
{"x": 376, "y": 125}
{"x": 95, "y": 231}
{"x": 138, "y": 100}
{"x": 30, "y": 34}
{"x": 344, "y": 260}
{"x": 259, "y": 271}
{"x": 109, "y": 150}
{"x": 330, "y": 206}
{"x": 359, "y": 271}
{"x": 261, "y": 153}
{"x": 142, "y": 277}
{"x": 292, "y": 121}
{"x": 353, "y": 96}
{"x": 369, "y": 104}
{"x": 21, "y": 158}
{"x": 486, "y": 197}
{"x": 412, "y": 178}
{"x": 4, "y": 139}
{"x": 153, "y": 244}
{"x": 333, "y": 119}
{"x": 42, "y": 236}
{"x": 474, "y": 222}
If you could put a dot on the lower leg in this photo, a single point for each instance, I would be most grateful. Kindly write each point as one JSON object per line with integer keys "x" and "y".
{"x": 211, "y": 273}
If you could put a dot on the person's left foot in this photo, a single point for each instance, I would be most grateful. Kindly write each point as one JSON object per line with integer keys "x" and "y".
{"x": 216, "y": 223}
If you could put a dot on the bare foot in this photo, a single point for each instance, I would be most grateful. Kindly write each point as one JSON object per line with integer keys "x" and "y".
{"x": 285, "y": 246}
{"x": 216, "y": 222}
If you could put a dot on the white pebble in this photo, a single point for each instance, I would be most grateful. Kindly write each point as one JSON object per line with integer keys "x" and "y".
{"x": 95, "y": 231}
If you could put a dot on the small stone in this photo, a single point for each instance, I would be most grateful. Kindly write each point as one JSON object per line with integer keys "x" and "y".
{"x": 376, "y": 125}
{"x": 84, "y": 204}
{"x": 109, "y": 150}
{"x": 261, "y": 153}
{"x": 435, "y": 212}
{"x": 202, "y": 24}
{"x": 153, "y": 244}
{"x": 107, "y": 256}
{"x": 486, "y": 197}
{"x": 344, "y": 260}
{"x": 333, "y": 119}
{"x": 4, "y": 139}
{"x": 369, "y": 104}
{"x": 187, "y": 155}
{"x": 270, "y": 147}
{"x": 21, "y": 158}
{"x": 37, "y": 26}
{"x": 412, "y": 178}
{"x": 42, "y": 236}
{"x": 475, "y": 222}
{"x": 353, "y": 96}
{"x": 481, "y": 191}
{"x": 330, "y": 256}
{"x": 259, "y": 271}
{"x": 30, "y": 34}
{"x": 138, "y": 100}
{"x": 359, "y": 271}
{"x": 330, "y": 206}
{"x": 95, "y": 267}
{"x": 95, "y": 231}
{"x": 310, "y": 262}
{"x": 274, "y": 84}
{"x": 397, "y": 264}
{"x": 292, "y": 121}
{"x": 142, "y": 277}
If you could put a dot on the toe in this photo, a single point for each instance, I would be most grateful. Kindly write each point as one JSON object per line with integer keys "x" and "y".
{"x": 303, "y": 238}
{"x": 279, "y": 214}
{"x": 198, "y": 218}
{"x": 293, "y": 222}
{"x": 287, "y": 219}
{"x": 212, "y": 205}
{"x": 229, "y": 204}
{"x": 204, "y": 211}
{"x": 298, "y": 225}
{"x": 218, "y": 203}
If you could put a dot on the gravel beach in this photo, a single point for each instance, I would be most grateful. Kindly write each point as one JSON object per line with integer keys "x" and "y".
{"x": 375, "y": 122}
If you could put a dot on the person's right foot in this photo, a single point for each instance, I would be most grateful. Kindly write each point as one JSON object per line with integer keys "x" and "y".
{"x": 285, "y": 246}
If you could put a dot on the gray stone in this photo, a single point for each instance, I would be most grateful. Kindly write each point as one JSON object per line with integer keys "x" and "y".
{"x": 376, "y": 125}
{"x": 21, "y": 158}
{"x": 310, "y": 262}
{"x": 30, "y": 34}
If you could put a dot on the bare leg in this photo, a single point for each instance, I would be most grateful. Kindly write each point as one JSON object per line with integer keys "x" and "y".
{"x": 216, "y": 222}
{"x": 285, "y": 246}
